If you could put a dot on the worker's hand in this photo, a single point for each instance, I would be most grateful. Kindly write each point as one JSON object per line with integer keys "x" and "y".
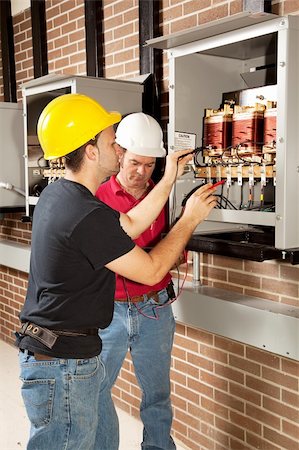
{"x": 200, "y": 204}
{"x": 175, "y": 163}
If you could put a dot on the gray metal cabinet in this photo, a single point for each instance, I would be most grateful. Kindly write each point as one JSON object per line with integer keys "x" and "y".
{"x": 12, "y": 180}
{"x": 257, "y": 55}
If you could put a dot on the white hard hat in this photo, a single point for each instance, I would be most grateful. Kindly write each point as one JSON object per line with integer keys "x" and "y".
{"x": 140, "y": 134}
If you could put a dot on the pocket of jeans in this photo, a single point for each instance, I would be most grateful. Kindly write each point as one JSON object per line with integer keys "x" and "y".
{"x": 87, "y": 368}
{"x": 38, "y": 397}
{"x": 162, "y": 300}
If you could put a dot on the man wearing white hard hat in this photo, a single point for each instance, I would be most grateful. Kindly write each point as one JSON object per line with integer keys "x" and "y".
{"x": 143, "y": 321}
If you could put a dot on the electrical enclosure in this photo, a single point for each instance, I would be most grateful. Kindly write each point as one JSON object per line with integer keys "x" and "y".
{"x": 253, "y": 58}
{"x": 11, "y": 156}
{"x": 117, "y": 95}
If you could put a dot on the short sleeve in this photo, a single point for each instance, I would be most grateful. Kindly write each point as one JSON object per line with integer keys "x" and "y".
{"x": 101, "y": 238}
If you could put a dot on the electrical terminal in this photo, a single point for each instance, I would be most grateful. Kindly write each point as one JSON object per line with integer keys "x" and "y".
{"x": 251, "y": 175}
{"x": 218, "y": 173}
{"x": 263, "y": 175}
{"x": 228, "y": 176}
{"x": 240, "y": 174}
{"x": 209, "y": 174}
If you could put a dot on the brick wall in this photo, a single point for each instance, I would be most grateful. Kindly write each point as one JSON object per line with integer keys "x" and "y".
{"x": 226, "y": 395}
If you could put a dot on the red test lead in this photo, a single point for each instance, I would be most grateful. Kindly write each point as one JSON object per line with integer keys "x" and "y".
{"x": 218, "y": 184}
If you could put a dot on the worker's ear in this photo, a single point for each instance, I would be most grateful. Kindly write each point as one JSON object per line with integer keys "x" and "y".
{"x": 91, "y": 151}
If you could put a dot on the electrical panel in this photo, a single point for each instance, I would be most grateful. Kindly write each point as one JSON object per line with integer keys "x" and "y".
{"x": 115, "y": 95}
{"x": 12, "y": 180}
{"x": 233, "y": 98}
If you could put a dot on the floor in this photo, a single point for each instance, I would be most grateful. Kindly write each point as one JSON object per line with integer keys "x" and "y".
{"x": 14, "y": 425}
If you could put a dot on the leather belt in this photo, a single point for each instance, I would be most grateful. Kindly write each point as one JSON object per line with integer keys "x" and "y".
{"x": 139, "y": 298}
{"x": 39, "y": 356}
{"x": 49, "y": 337}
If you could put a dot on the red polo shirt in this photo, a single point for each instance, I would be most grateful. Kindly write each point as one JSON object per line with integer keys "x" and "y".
{"x": 117, "y": 198}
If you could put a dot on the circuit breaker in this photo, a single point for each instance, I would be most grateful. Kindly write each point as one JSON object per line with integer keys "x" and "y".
{"x": 233, "y": 98}
{"x": 115, "y": 95}
{"x": 12, "y": 180}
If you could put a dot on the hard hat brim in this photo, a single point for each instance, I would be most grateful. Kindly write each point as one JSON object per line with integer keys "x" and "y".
{"x": 151, "y": 152}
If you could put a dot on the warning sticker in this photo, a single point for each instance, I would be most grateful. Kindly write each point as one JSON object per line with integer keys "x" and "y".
{"x": 184, "y": 141}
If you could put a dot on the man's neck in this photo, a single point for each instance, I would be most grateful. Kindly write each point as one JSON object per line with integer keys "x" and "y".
{"x": 86, "y": 179}
{"x": 136, "y": 192}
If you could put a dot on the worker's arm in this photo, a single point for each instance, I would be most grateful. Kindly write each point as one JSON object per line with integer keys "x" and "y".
{"x": 139, "y": 218}
{"x": 150, "y": 268}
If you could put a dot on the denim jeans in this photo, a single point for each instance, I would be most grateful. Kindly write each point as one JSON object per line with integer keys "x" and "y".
{"x": 150, "y": 342}
{"x": 61, "y": 397}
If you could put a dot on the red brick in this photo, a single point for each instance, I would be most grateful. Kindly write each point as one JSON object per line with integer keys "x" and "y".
{"x": 214, "y": 407}
{"x": 280, "y": 287}
{"x": 280, "y": 439}
{"x": 187, "y": 369}
{"x": 195, "y": 5}
{"x": 212, "y": 380}
{"x": 262, "y": 357}
{"x": 200, "y": 439}
{"x": 291, "y": 6}
{"x": 245, "y": 365}
{"x": 290, "y": 398}
{"x": 229, "y": 373}
{"x": 281, "y": 410}
{"x": 261, "y": 294}
{"x": 172, "y": 13}
{"x": 280, "y": 379}
{"x": 236, "y": 7}
{"x": 186, "y": 394}
{"x": 246, "y": 422}
{"x": 290, "y": 429}
{"x": 259, "y": 385}
{"x": 244, "y": 393}
{"x": 198, "y": 361}
{"x": 185, "y": 343}
{"x": 229, "y": 400}
{"x": 123, "y": 6}
{"x": 214, "y": 354}
{"x": 191, "y": 420}
{"x": 200, "y": 335}
{"x": 215, "y": 273}
{"x": 179, "y": 353}
{"x": 244, "y": 279}
{"x": 177, "y": 377}
{"x": 123, "y": 31}
{"x": 263, "y": 416}
{"x": 290, "y": 367}
{"x": 229, "y": 428}
{"x": 183, "y": 24}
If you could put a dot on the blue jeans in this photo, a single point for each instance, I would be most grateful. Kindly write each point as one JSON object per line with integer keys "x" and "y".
{"x": 61, "y": 397}
{"x": 150, "y": 343}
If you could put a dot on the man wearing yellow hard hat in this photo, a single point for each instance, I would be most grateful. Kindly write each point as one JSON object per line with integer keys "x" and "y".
{"x": 78, "y": 244}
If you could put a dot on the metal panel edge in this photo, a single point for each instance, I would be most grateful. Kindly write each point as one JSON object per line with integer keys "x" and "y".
{"x": 210, "y": 29}
{"x": 15, "y": 255}
{"x": 265, "y": 329}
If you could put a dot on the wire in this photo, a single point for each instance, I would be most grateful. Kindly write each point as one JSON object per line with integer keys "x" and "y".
{"x": 11, "y": 187}
{"x": 155, "y": 308}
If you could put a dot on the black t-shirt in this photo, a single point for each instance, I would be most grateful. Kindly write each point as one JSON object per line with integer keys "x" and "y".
{"x": 74, "y": 236}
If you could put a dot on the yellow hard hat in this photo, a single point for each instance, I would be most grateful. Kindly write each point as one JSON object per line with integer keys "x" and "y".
{"x": 69, "y": 121}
